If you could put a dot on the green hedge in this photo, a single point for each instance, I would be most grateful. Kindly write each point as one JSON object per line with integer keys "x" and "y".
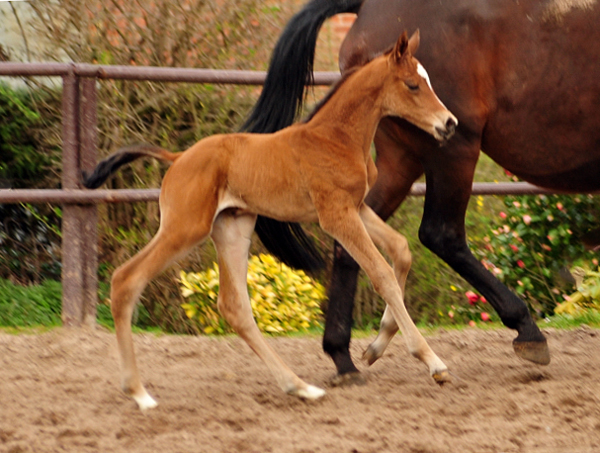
{"x": 29, "y": 306}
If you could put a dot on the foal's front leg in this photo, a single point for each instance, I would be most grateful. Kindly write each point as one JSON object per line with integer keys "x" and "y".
{"x": 354, "y": 232}
{"x": 231, "y": 235}
{"x": 396, "y": 247}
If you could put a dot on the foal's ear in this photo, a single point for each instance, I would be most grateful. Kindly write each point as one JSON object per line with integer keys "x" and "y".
{"x": 400, "y": 47}
{"x": 413, "y": 42}
{"x": 405, "y": 45}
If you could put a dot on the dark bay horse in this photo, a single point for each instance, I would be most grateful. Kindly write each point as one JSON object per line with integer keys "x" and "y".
{"x": 523, "y": 78}
{"x": 319, "y": 170}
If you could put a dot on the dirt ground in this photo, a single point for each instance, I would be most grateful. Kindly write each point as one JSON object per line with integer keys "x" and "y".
{"x": 59, "y": 392}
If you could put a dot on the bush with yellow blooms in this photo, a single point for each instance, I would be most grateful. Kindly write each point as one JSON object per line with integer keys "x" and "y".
{"x": 283, "y": 300}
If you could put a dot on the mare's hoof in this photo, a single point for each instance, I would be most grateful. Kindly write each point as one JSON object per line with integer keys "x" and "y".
{"x": 534, "y": 351}
{"x": 348, "y": 379}
{"x": 442, "y": 377}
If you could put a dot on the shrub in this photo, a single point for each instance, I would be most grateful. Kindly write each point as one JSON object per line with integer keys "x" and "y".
{"x": 587, "y": 295}
{"x": 29, "y": 243}
{"x": 31, "y": 305}
{"x": 538, "y": 236}
{"x": 477, "y": 310}
{"x": 19, "y": 158}
{"x": 283, "y": 300}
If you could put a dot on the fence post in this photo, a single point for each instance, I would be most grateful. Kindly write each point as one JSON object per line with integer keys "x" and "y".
{"x": 89, "y": 221}
{"x": 79, "y": 227}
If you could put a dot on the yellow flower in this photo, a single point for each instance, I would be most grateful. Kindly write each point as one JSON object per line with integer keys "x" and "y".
{"x": 282, "y": 299}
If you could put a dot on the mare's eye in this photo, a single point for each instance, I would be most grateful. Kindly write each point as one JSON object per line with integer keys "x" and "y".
{"x": 412, "y": 86}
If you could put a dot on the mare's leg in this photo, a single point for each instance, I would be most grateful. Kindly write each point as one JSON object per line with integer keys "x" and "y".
{"x": 231, "y": 235}
{"x": 397, "y": 170}
{"x": 128, "y": 281}
{"x": 442, "y": 230}
{"x": 351, "y": 231}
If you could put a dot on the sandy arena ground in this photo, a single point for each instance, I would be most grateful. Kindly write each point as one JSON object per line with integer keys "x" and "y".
{"x": 60, "y": 393}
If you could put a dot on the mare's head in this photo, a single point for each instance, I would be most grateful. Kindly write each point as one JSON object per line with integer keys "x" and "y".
{"x": 408, "y": 91}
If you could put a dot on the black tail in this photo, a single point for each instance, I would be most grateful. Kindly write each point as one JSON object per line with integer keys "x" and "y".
{"x": 121, "y": 157}
{"x": 290, "y": 70}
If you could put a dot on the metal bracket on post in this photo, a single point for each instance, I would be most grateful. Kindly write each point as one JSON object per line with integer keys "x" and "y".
{"x": 79, "y": 222}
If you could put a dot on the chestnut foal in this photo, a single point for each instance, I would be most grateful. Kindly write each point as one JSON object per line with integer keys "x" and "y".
{"x": 318, "y": 170}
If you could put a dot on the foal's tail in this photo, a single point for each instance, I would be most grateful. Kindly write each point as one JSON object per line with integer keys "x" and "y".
{"x": 121, "y": 157}
{"x": 290, "y": 69}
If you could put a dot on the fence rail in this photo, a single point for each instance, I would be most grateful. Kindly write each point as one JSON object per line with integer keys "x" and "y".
{"x": 78, "y": 196}
{"x": 80, "y": 138}
{"x": 149, "y": 73}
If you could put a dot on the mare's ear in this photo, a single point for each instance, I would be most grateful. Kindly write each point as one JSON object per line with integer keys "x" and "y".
{"x": 413, "y": 42}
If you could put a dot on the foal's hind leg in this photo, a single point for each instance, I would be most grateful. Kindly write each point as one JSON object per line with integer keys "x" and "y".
{"x": 387, "y": 329}
{"x": 231, "y": 235}
{"x": 128, "y": 282}
{"x": 353, "y": 232}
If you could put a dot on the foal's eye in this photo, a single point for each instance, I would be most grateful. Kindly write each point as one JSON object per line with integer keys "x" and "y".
{"x": 412, "y": 86}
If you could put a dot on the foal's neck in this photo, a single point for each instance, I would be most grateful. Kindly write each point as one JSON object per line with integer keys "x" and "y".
{"x": 355, "y": 108}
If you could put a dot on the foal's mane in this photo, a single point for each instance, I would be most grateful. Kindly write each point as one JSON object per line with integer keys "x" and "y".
{"x": 330, "y": 93}
{"x": 340, "y": 82}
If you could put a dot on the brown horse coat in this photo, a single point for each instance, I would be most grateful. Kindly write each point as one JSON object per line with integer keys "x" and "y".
{"x": 320, "y": 170}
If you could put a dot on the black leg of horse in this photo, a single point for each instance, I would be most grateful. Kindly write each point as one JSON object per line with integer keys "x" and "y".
{"x": 397, "y": 172}
{"x": 338, "y": 320}
{"x": 443, "y": 232}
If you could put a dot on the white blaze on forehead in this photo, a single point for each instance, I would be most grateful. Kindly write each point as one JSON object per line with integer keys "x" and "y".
{"x": 423, "y": 73}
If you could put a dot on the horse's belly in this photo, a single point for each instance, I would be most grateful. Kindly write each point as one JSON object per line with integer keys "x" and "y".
{"x": 584, "y": 178}
{"x": 563, "y": 156}
{"x": 278, "y": 204}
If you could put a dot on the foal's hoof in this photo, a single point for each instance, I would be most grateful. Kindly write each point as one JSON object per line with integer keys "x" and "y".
{"x": 442, "y": 377}
{"x": 145, "y": 401}
{"x": 309, "y": 393}
{"x": 347, "y": 379}
{"x": 534, "y": 351}
{"x": 371, "y": 355}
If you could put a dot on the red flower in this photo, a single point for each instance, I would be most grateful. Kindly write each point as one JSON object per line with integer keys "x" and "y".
{"x": 482, "y": 299}
{"x": 485, "y": 316}
{"x": 521, "y": 264}
{"x": 472, "y": 297}
{"x": 514, "y": 248}
{"x": 502, "y": 214}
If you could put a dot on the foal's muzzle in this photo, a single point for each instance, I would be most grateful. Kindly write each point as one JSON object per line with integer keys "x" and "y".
{"x": 449, "y": 129}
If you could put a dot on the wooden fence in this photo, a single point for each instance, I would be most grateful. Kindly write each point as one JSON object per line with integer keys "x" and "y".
{"x": 79, "y": 152}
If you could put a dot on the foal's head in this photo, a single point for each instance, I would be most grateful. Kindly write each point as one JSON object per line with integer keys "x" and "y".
{"x": 409, "y": 95}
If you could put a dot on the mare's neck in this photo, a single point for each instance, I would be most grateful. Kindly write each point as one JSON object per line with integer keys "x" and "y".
{"x": 354, "y": 110}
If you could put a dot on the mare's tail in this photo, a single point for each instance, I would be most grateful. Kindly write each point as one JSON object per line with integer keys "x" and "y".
{"x": 121, "y": 157}
{"x": 290, "y": 70}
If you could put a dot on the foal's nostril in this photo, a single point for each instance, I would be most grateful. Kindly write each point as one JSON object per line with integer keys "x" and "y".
{"x": 448, "y": 130}
{"x": 451, "y": 125}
